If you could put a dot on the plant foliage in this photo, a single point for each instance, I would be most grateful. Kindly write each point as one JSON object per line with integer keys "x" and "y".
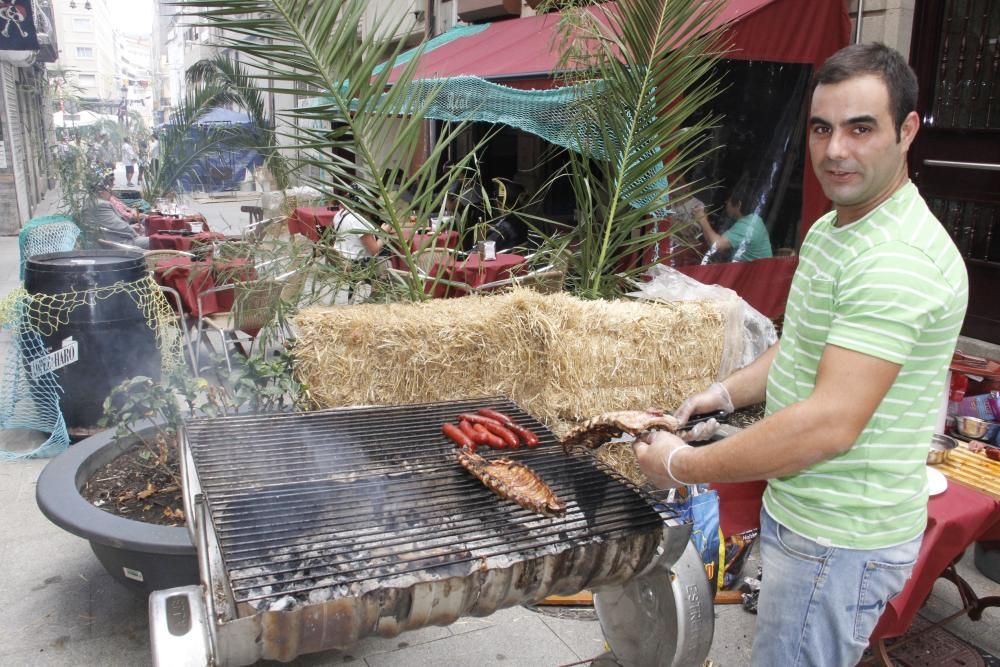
{"x": 654, "y": 59}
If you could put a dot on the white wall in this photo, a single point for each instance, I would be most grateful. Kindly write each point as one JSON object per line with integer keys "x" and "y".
{"x": 886, "y": 21}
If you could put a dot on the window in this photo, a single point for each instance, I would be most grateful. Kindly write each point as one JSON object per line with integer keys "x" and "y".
{"x": 82, "y": 25}
{"x": 87, "y": 80}
{"x": 84, "y": 52}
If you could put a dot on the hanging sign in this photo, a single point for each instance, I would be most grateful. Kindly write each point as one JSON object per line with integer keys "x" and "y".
{"x": 17, "y": 26}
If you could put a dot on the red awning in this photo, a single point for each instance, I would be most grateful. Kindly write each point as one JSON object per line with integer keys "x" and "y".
{"x": 519, "y": 53}
{"x": 790, "y": 31}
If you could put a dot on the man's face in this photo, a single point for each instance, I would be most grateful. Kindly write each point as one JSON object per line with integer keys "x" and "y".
{"x": 853, "y": 146}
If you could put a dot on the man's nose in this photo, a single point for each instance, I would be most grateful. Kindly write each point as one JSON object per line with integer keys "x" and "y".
{"x": 836, "y": 147}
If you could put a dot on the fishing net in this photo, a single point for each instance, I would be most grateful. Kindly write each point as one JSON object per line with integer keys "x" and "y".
{"x": 50, "y": 233}
{"x": 30, "y": 391}
{"x": 552, "y": 114}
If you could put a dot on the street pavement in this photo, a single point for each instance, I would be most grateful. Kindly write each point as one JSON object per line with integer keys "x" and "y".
{"x": 62, "y": 608}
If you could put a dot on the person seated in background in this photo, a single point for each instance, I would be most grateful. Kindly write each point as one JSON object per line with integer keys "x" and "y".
{"x": 102, "y": 222}
{"x": 747, "y": 238}
{"x": 356, "y": 239}
{"x": 509, "y": 230}
{"x": 131, "y": 215}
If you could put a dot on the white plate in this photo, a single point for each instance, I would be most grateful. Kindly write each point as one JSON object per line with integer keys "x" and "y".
{"x": 936, "y": 482}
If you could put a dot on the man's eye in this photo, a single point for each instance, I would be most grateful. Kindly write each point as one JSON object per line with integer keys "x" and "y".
{"x": 820, "y": 129}
{"x": 862, "y": 129}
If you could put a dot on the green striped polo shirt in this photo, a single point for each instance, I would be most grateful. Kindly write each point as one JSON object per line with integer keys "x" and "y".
{"x": 891, "y": 285}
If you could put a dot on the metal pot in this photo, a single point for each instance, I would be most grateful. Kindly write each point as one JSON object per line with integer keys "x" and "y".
{"x": 971, "y": 427}
{"x": 941, "y": 446}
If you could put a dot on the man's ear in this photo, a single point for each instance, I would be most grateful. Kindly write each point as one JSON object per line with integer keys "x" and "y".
{"x": 908, "y": 130}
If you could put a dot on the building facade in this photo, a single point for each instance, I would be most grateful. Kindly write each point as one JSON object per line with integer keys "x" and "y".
{"x": 26, "y": 133}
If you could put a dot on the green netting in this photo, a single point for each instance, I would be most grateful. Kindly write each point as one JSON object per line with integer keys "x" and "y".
{"x": 551, "y": 114}
{"x": 31, "y": 400}
{"x": 50, "y": 233}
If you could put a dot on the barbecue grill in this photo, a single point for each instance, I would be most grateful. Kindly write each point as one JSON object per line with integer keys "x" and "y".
{"x": 315, "y": 530}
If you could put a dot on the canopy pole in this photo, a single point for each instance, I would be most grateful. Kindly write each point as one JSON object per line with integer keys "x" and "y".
{"x": 858, "y": 21}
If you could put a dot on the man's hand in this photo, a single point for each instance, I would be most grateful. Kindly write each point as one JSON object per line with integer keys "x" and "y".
{"x": 653, "y": 450}
{"x": 716, "y": 397}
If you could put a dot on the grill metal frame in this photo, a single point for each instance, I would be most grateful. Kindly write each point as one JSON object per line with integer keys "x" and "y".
{"x": 610, "y": 533}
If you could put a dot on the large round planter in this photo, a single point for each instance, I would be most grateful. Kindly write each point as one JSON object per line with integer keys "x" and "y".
{"x": 145, "y": 557}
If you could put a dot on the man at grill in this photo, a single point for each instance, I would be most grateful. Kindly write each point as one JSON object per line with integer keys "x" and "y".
{"x": 853, "y": 387}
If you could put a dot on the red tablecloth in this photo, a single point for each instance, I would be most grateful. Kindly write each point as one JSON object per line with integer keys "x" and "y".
{"x": 442, "y": 239}
{"x": 178, "y": 242}
{"x": 190, "y": 278}
{"x": 763, "y": 283}
{"x": 955, "y": 519}
{"x": 158, "y": 223}
{"x": 476, "y": 272}
{"x": 310, "y": 221}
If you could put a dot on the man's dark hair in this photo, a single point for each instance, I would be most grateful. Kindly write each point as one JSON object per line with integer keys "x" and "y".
{"x": 875, "y": 60}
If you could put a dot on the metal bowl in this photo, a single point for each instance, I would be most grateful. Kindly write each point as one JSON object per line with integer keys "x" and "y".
{"x": 971, "y": 427}
{"x": 941, "y": 446}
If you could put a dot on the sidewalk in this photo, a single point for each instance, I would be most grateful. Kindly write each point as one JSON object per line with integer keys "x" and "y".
{"x": 62, "y": 608}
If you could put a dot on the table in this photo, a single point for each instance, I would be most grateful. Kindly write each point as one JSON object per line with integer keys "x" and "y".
{"x": 955, "y": 519}
{"x": 310, "y": 221}
{"x": 441, "y": 239}
{"x": 192, "y": 277}
{"x": 763, "y": 283}
{"x": 473, "y": 272}
{"x": 158, "y": 223}
{"x": 179, "y": 242}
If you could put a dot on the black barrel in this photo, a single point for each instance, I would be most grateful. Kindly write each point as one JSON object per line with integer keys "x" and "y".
{"x": 114, "y": 340}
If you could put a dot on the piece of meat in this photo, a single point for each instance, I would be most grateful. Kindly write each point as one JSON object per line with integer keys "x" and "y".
{"x": 512, "y": 480}
{"x": 598, "y": 430}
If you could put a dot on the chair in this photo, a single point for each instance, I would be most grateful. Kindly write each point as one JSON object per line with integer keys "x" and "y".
{"x": 152, "y": 257}
{"x": 256, "y": 213}
{"x": 104, "y": 243}
{"x": 548, "y": 280}
{"x": 256, "y": 303}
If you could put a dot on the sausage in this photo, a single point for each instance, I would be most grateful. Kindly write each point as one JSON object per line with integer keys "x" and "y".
{"x": 477, "y": 437}
{"x": 529, "y": 438}
{"x": 496, "y": 416}
{"x": 455, "y": 433}
{"x": 478, "y": 419}
{"x": 493, "y": 441}
{"x": 505, "y": 433}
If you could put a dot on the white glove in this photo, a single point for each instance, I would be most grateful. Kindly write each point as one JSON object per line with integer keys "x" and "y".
{"x": 715, "y": 398}
{"x": 653, "y": 452}
{"x": 699, "y": 432}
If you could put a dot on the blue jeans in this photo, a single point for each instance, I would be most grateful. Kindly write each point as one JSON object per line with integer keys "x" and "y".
{"x": 818, "y": 605}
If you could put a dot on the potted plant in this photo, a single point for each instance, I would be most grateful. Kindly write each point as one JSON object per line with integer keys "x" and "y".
{"x": 121, "y": 489}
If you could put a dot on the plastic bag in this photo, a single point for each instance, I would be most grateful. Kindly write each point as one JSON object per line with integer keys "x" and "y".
{"x": 747, "y": 333}
{"x": 701, "y": 509}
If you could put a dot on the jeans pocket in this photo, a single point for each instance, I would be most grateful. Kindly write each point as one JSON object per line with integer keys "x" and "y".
{"x": 797, "y": 546}
{"x": 879, "y": 584}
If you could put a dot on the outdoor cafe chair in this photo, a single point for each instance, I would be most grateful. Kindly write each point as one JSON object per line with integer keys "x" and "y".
{"x": 173, "y": 297}
{"x": 256, "y": 304}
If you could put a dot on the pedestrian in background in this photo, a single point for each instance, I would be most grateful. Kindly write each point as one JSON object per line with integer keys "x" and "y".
{"x": 129, "y": 158}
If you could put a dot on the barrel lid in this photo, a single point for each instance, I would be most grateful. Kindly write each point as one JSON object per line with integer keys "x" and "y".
{"x": 86, "y": 258}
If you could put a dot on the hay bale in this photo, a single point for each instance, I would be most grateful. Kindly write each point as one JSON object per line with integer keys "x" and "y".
{"x": 561, "y": 358}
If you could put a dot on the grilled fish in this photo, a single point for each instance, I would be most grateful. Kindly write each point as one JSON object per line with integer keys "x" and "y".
{"x": 512, "y": 480}
{"x": 598, "y": 430}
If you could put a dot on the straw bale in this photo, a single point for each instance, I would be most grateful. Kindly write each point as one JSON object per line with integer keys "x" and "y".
{"x": 561, "y": 358}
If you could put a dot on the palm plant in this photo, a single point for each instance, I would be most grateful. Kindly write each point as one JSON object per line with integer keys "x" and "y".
{"x": 238, "y": 87}
{"x": 653, "y": 61}
{"x": 183, "y": 144}
{"x": 365, "y": 130}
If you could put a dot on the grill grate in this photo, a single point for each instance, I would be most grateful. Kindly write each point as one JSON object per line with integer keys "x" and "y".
{"x": 322, "y": 503}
